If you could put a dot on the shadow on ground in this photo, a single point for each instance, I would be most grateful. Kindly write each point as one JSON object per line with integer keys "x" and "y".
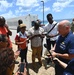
{"x": 38, "y": 66}
{"x": 30, "y": 66}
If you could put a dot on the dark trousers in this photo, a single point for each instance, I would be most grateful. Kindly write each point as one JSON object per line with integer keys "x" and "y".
{"x": 49, "y": 43}
{"x": 23, "y": 55}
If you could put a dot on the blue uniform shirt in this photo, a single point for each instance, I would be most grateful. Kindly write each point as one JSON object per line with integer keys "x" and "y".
{"x": 70, "y": 68}
{"x": 65, "y": 45}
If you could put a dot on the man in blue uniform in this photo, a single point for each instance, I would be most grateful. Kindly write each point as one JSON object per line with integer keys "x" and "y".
{"x": 64, "y": 48}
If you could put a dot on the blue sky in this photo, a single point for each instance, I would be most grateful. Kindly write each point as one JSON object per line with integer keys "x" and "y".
{"x": 61, "y": 9}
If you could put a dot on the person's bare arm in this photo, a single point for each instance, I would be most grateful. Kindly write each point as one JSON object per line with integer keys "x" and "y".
{"x": 53, "y": 48}
{"x": 65, "y": 55}
{"x": 18, "y": 43}
{"x": 64, "y": 65}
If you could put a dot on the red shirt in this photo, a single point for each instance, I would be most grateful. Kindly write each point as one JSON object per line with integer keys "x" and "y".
{"x": 21, "y": 38}
{"x": 3, "y": 30}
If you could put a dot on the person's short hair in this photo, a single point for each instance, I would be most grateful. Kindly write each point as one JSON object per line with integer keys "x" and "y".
{"x": 39, "y": 21}
{"x": 2, "y": 21}
{"x": 20, "y": 21}
{"x": 67, "y": 24}
{"x": 49, "y": 15}
{"x": 6, "y": 59}
{"x": 35, "y": 23}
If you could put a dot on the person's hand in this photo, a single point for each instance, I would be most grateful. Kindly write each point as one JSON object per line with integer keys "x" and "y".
{"x": 52, "y": 50}
{"x": 55, "y": 58}
{"x": 49, "y": 55}
{"x": 50, "y": 36}
{"x": 26, "y": 40}
{"x": 16, "y": 54}
{"x": 54, "y": 54}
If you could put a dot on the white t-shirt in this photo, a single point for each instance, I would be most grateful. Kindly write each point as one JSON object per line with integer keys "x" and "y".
{"x": 54, "y": 31}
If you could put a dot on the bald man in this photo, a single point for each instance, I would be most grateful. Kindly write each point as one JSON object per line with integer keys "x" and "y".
{"x": 64, "y": 48}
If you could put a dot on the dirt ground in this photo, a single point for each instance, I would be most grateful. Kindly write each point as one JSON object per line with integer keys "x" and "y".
{"x": 40, "y": 70}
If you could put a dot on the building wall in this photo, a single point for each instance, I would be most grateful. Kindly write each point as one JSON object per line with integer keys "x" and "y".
{"x": 13, "y": 23}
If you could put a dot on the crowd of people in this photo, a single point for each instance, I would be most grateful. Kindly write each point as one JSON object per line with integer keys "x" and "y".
{"x": 7, "y": 55}
{"x": 58, "y": 35}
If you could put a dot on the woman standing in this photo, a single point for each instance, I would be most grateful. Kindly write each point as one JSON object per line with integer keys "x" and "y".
{"x": 21, "y": 41}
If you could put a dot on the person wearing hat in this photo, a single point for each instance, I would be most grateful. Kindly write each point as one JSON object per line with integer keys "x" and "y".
{"x": 36, "y": 37}
{"x": 69, "y": 68}
{"x": 21, "y": 41}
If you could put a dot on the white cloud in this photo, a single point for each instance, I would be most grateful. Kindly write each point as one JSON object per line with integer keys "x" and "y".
{"x": 26, "y": 3}
{"x": 61, "y": 4}
{"x": 13, "y": 8}
{"x": 30, "y": 3}
{"x": 38, "y": 9}
{"x": 9, "y": 14}
{"x": 62, "y": 0}
{"x": 41, "y": 9}
{"x": 21, "y": 10}
{"x": 4, "y": 5}
{"x": 47, "y": 9}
